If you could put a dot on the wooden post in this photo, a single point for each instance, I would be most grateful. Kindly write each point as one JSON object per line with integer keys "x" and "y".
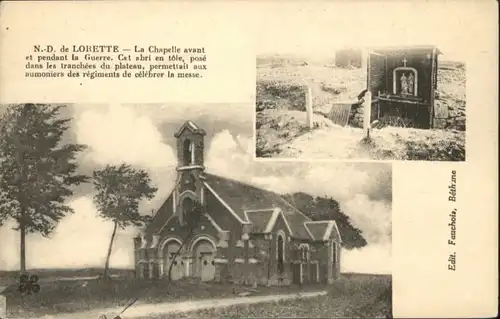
{"x": 433, "y": 88}
{"x": 367, "y": 112}
{"x": 364, "y": 67}
{"x": 309, "y": 107}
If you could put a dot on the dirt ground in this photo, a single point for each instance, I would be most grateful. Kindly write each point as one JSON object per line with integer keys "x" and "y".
{"x": 284, "y": 134}
{"x": 73, "y": 298}
{"x": 357, "y": 296}
{"x": 353, "y": 295}
{"x": 281, "y": 132}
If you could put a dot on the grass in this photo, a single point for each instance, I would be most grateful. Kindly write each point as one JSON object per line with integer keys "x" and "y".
{"x": 353, "y": 296}
{"x": 9, "y": 277}
{"x": 65, "y": 296}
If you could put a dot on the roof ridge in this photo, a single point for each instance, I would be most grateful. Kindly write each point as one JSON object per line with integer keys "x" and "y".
{"x": 266, "y": 210}
{"x": 319, "y": 221}
{"x": 265, "y": 190}
{"x": 308, "y": 230}
{"x": 192, "y": 126}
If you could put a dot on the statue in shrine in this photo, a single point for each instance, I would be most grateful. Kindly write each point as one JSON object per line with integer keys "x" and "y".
{"x": 411, "y": 83}
{"x": 404, "y": 84}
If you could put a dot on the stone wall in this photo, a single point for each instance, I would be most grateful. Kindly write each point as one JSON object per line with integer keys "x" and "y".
{"x": 451, "y": 95}
{"x": 454, "y": 121}
{"x": 456, "y": 114}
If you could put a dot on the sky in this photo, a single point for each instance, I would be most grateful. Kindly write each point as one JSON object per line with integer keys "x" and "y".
{"x": 143, "y": 136}
{"x": 318, "y": 30}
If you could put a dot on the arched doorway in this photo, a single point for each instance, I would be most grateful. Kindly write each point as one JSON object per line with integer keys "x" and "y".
{"x": 170, "y": 248}
{"x": 203, "y": 259}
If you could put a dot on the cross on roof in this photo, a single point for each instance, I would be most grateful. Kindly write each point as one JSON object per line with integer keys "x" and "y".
{"x": 404, "y": 61}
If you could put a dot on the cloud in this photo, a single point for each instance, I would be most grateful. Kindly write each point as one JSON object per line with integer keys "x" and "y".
{"x": 325, "y": 33}
{"x": 373, "y": 217}
{"x": 373, "y": 259}
{"x": 80, "y": 240}
{"x": 119, "y": 134}
{"x": 228, "y": 153}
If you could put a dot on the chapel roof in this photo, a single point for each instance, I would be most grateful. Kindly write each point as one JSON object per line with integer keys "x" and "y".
{"x": 259, "y": 219}
{"x": 190, "y": 125}
{"x": 243, "y": 197}
{"x": 323, "y": 229}
{"x": 160, "y": 217}
{"x": 256, "y": 206}
{"x": 408, "y": 48}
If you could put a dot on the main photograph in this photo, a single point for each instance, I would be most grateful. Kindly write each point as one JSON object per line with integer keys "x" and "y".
{"x": 161, "y": 211}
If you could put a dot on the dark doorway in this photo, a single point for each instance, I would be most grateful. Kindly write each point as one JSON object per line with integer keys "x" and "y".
{"x": 281, "y": 254}
{"x": 334, "y": 258}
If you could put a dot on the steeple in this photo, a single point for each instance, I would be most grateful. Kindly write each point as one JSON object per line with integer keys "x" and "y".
{"x": 189, "y": 187}
{"x": 190, "y": 147}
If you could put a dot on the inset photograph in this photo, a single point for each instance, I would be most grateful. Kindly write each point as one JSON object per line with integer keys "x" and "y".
{"x": 161, "y": 211}
{"x": 388, "y": 103}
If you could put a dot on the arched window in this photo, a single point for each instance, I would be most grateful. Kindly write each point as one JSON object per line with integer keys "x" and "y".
{"x": 188, "y": 152}
{"x": 334, "y": 253}
{"x": 304, "y": 252}
{"x": 405, "y": 81}
{"x": 281, "y": 252}
{"x": 187, "y": 208}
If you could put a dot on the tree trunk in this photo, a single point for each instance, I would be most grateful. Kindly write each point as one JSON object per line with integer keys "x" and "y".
{"x": 22, "y": 231}
{"x": 108, "y": 256}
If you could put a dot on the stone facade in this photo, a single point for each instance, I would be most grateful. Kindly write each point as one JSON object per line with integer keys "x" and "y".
{"x": 245, "y": 235}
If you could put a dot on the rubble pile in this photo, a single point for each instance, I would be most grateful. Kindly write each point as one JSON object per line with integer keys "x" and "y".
{"x": 451, "y": 94}
{"x": 280, "y": 96}
{"x": 356, "y": 117}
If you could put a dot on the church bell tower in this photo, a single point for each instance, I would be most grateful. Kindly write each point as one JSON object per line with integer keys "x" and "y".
{"x": 189, "y": 187}
{"x": 190, "y": 147}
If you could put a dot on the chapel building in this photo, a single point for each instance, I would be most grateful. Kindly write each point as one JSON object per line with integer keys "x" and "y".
{"x": 245, "y": 234}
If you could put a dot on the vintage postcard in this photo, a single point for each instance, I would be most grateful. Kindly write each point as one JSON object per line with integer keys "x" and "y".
{"x": 232, "y": 159}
